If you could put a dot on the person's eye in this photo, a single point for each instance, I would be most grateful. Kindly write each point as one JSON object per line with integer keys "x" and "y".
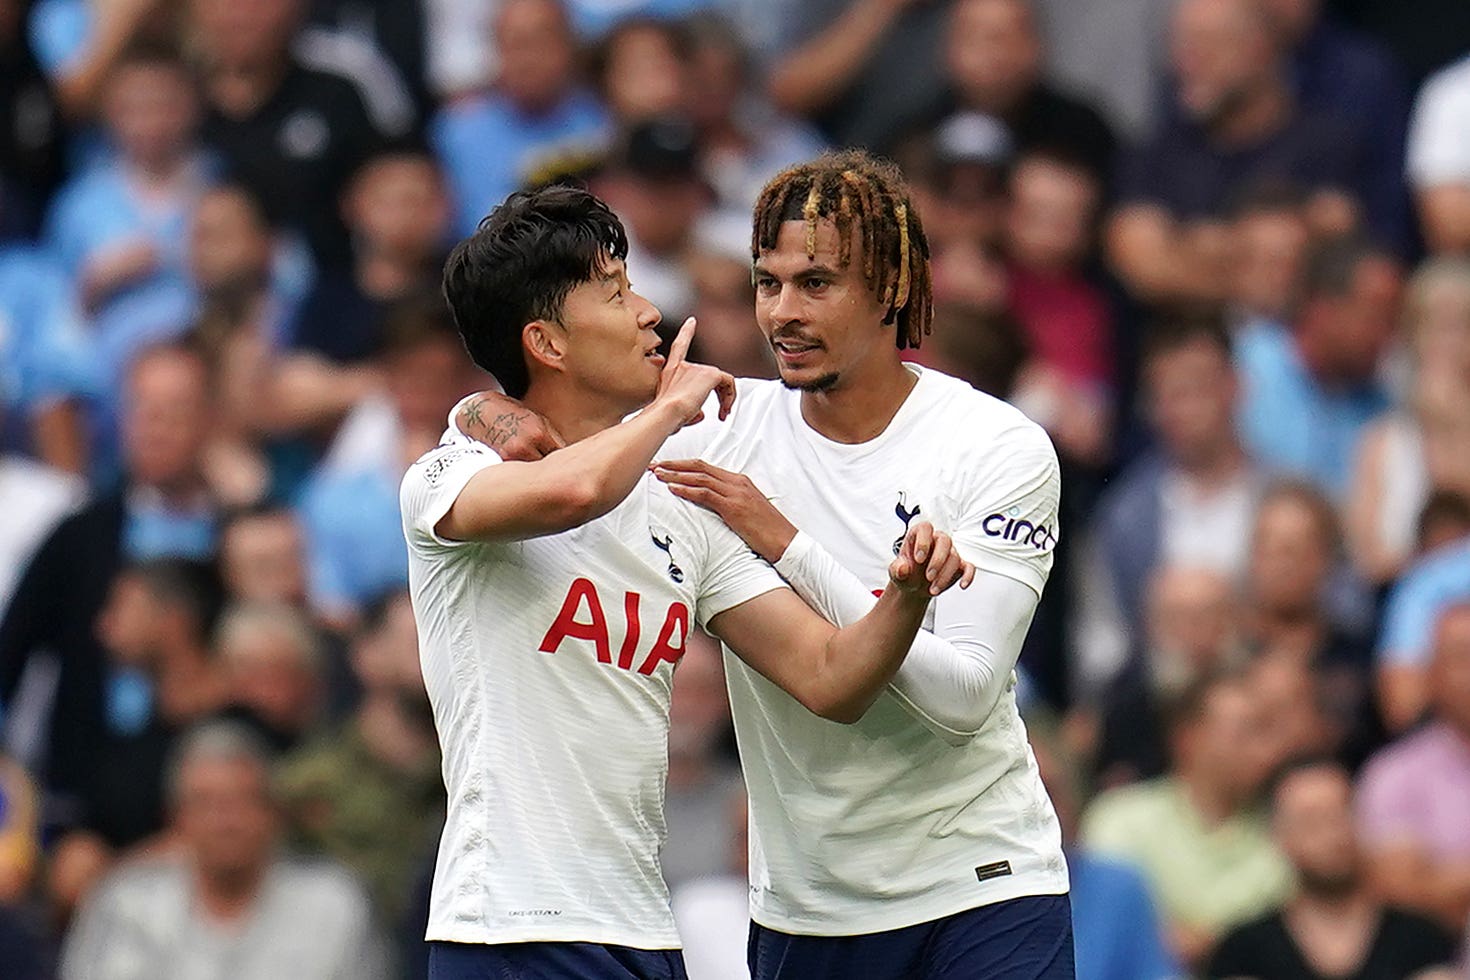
{"x": 816, "y": 282}
{"x": 765, "y": 282}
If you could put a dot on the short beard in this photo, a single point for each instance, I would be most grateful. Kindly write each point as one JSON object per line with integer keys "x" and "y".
{"x": 824, "y": 383}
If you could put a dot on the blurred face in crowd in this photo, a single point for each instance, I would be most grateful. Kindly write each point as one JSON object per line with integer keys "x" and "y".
{"x": 1223, "y": 54}
{"x": 962, "y": 205}
{"x": 644, "y": 74}
{"x": 386, "y": 659}
{"x": 130, "y": 623}
{"x": 273, "y": 676}
{"x": 1191, "y": 622}
{"x": 1291, "y": 556}
{"x": 659, "y": 212}
{"x": 1270, "y": 246}
{"x": 1190, "y": 391}
{"x": 1292, "y": 722}
{"x": 229, "y": 242}
{"x": 1050, "y": 215}
{"x": 427, "y": 378}
{"x": 231, "y": 33}
{"x": 1312, "y": 818}
{"x": 727, "y": 333}
{"x": 1227, "y": 743}
{"x": 261, "y": 558}
{"x": 700, "y": 709}
{"x": 1450, "y": 677}
{"x": 534, "y": 44}
{"x": 224, "y": 814}
{"x": 716, "y": 81}
{"x": 821, "y": 318}
{"x": 166, "y": 418}
{"x": 150, "y": 111}
{"x": 397, "y": 206}
{"x": 1347, "y": 334}
{"x": 993, "y": 52}
{"x": 1437, "y": 315}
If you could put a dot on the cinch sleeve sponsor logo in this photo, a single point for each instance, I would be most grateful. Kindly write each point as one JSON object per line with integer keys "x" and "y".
{"x": 1009, "y": 527}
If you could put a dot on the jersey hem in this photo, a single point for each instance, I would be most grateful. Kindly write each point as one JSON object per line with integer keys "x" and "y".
{"x": 858, "y": 925}
{"x": 480, "y": 937}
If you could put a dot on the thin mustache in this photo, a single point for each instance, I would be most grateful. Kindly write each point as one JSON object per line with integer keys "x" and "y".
{"x": 781, "y": 335}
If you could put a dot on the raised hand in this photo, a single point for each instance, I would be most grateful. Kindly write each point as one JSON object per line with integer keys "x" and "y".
{"x": 928, "y": 563}
{"x": 686, "y": 385}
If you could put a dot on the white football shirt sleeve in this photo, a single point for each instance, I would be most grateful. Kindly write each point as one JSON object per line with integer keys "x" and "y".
{"x": 434, "y": 483}
{"x": 954, "y": 675}
{"x": 1007, "y": 518}
{"x": 731, "y": 572}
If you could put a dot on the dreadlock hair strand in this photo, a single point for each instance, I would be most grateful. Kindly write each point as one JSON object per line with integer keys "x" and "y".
{"x": 863, "y": 194}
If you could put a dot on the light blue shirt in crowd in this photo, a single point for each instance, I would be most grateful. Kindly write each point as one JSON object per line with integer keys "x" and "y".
{"x": 1437, "y": 581}
{"x": 354, "y": 534}
{"x": 1115, "y": 926}
{"x": 488, "y": 148}
{"x": 43, "y": 345}
{"x": 1289, "y": 422}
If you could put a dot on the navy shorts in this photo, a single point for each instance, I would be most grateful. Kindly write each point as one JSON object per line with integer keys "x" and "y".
{"x": 551, "y": 961}
{"x": 1023, "y": 939}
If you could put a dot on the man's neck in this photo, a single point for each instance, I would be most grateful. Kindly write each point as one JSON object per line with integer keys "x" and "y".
{"x": 189, "y": 687}
{"x": 1352, "y": 904}
{"x": 390, "y": 737}
{"x": 157, "y": 174}
{"x": 1297, "y": 632}
{"x": 862, "y": 405}
{"x": 1260, "y": 114}
{"x": 574, "y": 414}
{"x": 1213, "y": 804}
{"x": 229, "y": 898}
{"x": 382, "y": 275}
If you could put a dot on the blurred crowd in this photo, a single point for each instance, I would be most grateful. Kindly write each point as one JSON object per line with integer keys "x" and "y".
{"x": 1220, "y": 249}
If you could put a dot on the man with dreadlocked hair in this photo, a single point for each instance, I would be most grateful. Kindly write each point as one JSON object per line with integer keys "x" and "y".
{"x": 917, "y": 842}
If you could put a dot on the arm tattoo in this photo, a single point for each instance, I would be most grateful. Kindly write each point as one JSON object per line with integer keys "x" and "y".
{"x": 504, "y": 427}
{"x": 473, "y": 413}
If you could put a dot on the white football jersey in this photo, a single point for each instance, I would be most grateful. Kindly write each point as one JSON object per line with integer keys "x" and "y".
{"x": 882, "y": 824}
{"x": 548, "y": 662}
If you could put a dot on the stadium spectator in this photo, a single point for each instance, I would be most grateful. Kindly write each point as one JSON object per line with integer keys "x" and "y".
{"x": 288, "y": 125}
{"x": 1068, "y": 387}
{"x": 723, "y": 299}
{"x": 34, "y": 498}
{"x": 118, "y": 229}
{"x": 1419, "y": 446}
{"x": 643, "y": 70}
{"x": 1235, "y": 127}
{"x": 1295, "y": 558}
{"x": 1437, "y": 579}
{"x": 348, "y": 506}
{"x": 262, "y": 556}
{"x": 1196, "y": 833}
{"x": 24, "y": 951}
{"x": 1332, "y": 925}
{"x": 158, "y": 620}
{"x": 79, "y": 43}
{"x": 655, "y": 186}
{"x": 1191, "y": 632}
{"x": 1271, "y": 235}
{"x": 225, "y": 902}
{"x": 31, "y": 133}
{"x": 537, "y": 111}
{"x": 702, "y": 773}
{"x": 163, "y": 508}
{"x": 743, "y": 140}
{"x": 397, "y": 213}
{"x": 276, "y": 671}
{"x": 1308, "y": 392}
{"x": 367, "y": 792}
{"x": 1414, "y": 795}
{"x": 396, "y": 31}
{"x": 993, "y": 65}
{"x": 986, "y": 347}
{"x": 1439, "y": 161}
{"x": 1188, "y": 502}
{"x": 1347, "y": 74}
{"x": 1113, "y": 52}
{"x": 862, "y": 70}
{"x": 1116, "y": 926}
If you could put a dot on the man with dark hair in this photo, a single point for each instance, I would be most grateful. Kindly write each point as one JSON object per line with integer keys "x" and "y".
{"x": 856, "y": 445}
{"x": 548, "y": 865}
{"x": 1333, "y": 926}
{"x": 1307, "y": 392}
